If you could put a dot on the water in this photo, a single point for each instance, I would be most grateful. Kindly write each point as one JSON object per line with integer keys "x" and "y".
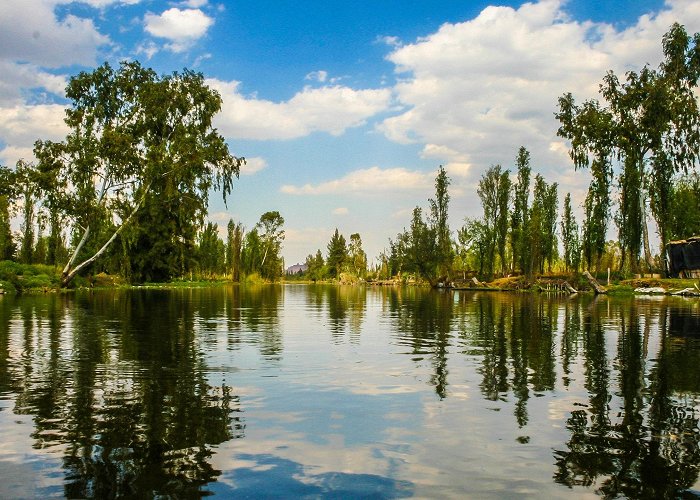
{"x": 320, "y": 391}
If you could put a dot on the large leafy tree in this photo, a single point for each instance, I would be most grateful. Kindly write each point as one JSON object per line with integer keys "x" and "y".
{"x": 651, "y": 125}
{"x": 141, "y": 149}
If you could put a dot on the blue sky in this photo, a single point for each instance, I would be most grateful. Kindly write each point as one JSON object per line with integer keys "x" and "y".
{"x": 345, "y": 110}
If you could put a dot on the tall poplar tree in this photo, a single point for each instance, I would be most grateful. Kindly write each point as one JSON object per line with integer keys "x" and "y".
{"x": 520, "y": 214}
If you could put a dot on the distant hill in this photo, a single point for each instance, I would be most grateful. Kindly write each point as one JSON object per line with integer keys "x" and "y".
{"x": 296, "y": 269}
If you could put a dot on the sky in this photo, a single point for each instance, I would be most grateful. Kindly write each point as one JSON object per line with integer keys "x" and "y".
{"x": 345, "y": 110}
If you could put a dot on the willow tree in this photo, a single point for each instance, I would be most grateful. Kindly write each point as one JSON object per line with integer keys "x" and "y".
{"x": 136, "y": 139}
{"x": 650, "y": 125}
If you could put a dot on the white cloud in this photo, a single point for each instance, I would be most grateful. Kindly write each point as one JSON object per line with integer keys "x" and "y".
{"x": 341, "y": 211}
{"x": 318, "y": 76}
{"x": 195, "y": 4}
{"x": 473, "y": 92}
{"x": 391, "y": 41}
{"x": 31, "y": 32}
{"x": 101, "y": 4}
{"x": 22, "y": 125}
{"x": 181, "y": 27}
{"x": 148, "y": 49}
{"x": 253, "y": 165}
{"x": 370, "y": 180}
{"x": 330, "y": 109}
{"x": 15, "y": 78}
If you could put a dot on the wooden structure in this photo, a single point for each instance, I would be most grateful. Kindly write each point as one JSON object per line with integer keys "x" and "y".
{"x": 684, "y": 258}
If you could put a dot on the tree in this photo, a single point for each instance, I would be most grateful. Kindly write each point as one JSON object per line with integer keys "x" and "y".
{"x": 494, "y": 191}
{"x": 519, "y": 218}
{"x": 25, "y": 184}
{"x": 211, "y": 251}
{"x": 136, "y": 140}
{"x": 438, "y": 220}
{"x": 234, "y": 244}
{"x": 570, "y": 236}
{"x": 357, "y": 256}
{"x": 7, "y": 190}
{"x": 251, "y": 252}
{"x": 337, "y": 254}
{"x": 542, "y": 225}
{"x": 684, "y": 210}
{"x": 651, "y": 124}
{"x": 314, "y": 266}
{"x": 474, "y": 238}
{"x": 271, "y": 235}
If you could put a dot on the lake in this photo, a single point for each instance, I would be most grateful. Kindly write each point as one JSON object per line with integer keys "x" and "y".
{"x": 325, "y": 391}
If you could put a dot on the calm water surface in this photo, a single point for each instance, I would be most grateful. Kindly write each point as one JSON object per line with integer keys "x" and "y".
{"x": 319, "y": 391}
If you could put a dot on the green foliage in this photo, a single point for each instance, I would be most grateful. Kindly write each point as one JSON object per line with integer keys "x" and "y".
{"x": 570, "y": 237}
{"x": 18, "y": 277}
{"x": 234, "y": 244}
{"x": 137, "y": 141}
{"x": 315, "y": 266}
{"x": 357, "y": 258}
{"x": 684, "y": 209}
{"x": 271, "y": 237}
{"x": 494, "y": 191}
{"x": 211, "y": 252}
{"x": 439, "y": 224}
{"x": 520, "y": 214}
{"x": 651, "y": 124}
{"x": 337, "y": 255}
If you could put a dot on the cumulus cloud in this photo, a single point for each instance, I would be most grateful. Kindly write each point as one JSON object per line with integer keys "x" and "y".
{"x": 369, "y": 180}
{"x": 473, "y": 92}
{"x": 31, "y": 32}
{"x": 331, "y": 109}
{"x": 253, "y": 165}
{"x": 182, "y": 27}
{"x": 22, "y": 125}
{"x": 16, "y": 77}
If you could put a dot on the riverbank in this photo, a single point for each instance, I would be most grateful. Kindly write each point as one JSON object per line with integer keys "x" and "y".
{"x": 37, "y": 278}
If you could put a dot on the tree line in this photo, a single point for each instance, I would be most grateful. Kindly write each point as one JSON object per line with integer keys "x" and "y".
{"x": 126, "y": 192}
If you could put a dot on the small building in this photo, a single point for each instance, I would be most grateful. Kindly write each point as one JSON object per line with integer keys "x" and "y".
{"x": 684, "y": 258}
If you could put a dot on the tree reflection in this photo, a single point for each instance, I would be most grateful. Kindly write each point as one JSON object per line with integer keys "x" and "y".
{"x": 424, "y": 320}
{"x": 252, "y": 316}
{"x": 515, "y": 337}
{"x": 117, "y": 382}
{"x": 649, "y": 446}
